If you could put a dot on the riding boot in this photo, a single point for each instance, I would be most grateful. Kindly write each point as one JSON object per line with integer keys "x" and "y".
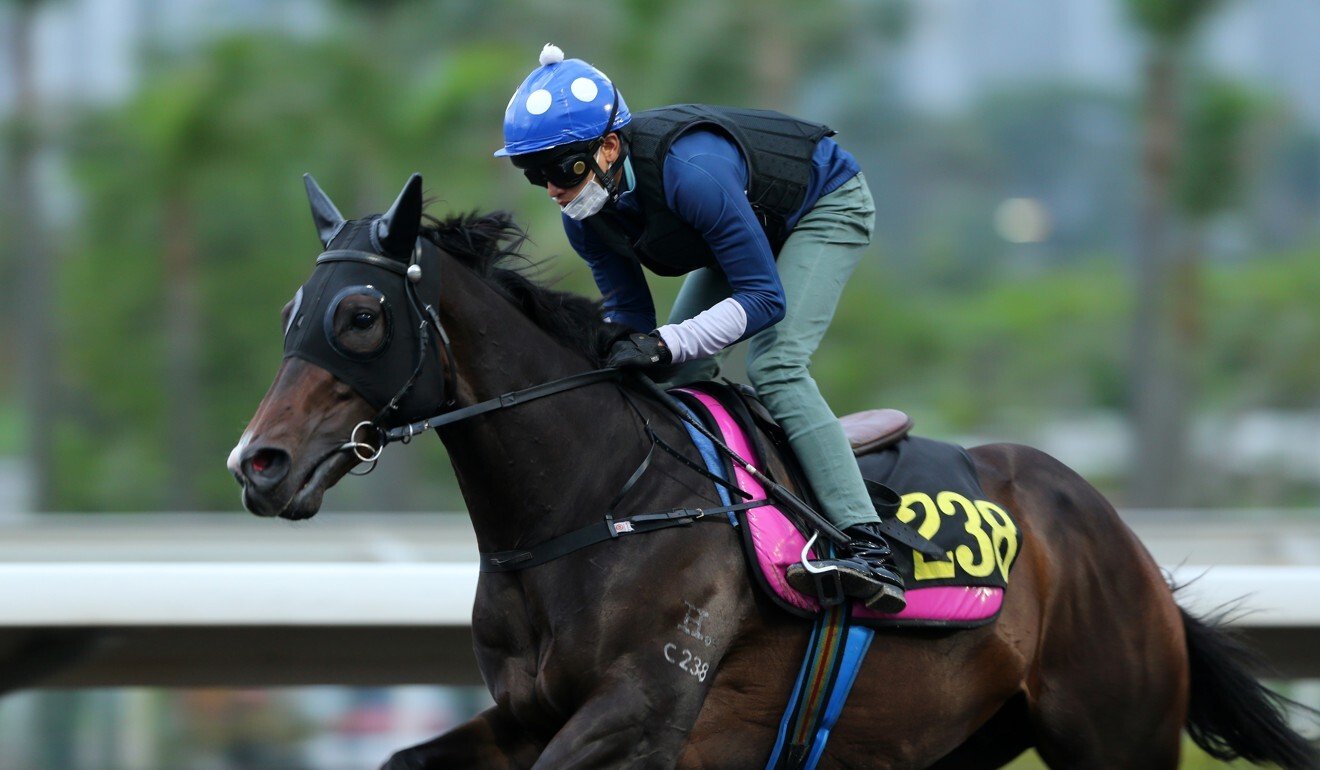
{"x": 865, "y": 571}
{"x": 869, "y": 545}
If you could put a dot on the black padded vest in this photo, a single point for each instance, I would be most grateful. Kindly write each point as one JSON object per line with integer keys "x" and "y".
{"x": 778, "y": 151}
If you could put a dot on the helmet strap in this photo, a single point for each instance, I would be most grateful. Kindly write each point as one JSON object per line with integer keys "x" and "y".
{"x": 608, "y": 180}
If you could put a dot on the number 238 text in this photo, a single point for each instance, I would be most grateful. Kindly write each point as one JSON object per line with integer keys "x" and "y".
{"x": 686, "y": 661}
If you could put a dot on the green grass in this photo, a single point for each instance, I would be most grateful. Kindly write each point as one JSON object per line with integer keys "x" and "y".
{"x": 1192, "y": 759}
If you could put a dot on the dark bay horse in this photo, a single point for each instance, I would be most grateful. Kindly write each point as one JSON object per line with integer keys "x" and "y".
{"x": 1091, "y": 661}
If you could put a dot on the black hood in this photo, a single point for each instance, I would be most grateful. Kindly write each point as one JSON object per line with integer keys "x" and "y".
{"x": 366, "y": 264}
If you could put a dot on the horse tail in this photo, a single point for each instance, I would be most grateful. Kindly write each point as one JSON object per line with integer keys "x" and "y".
{"x": 1231, "y": 714}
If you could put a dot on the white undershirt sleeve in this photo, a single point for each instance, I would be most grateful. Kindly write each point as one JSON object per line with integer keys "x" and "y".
{"x": 706, "y": 333}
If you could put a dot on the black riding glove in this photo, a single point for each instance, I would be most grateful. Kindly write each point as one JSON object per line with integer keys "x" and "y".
{"x": 640, "y": 351}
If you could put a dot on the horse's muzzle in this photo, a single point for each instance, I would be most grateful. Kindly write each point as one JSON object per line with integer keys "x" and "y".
{"x": 263, "y": 468}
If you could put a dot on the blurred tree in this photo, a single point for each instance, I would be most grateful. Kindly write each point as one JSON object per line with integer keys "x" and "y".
{"x": 218, "y": 134}
{"x": 210, "y": 154}
{"x": 1056, "y": 143}
{"x": 184, "y": 134}
{"x": 1216, "y": 154}
{"x": 775, "y": 41}
{"x": 1159, "y": 396}
{"x": 1212, "y": 175}
{"x": 37, "y": 261}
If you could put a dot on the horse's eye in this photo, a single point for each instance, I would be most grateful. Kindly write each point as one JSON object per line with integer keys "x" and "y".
{"x": 357, "y": 322}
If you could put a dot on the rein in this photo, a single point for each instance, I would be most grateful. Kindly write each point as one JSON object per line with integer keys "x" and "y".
{"x": 404, "y": 433}
{"x": 609, "y": 527}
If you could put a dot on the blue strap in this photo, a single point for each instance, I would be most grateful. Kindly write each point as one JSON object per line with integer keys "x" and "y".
{"x": 856, "y": 642}
{"x": 793, "y": 698}
{"x": 710, "y": 455}
{"x": 855, "y": 649}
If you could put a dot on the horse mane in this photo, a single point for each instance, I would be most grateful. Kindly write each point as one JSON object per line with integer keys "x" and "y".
{"x": 483, "y": 241}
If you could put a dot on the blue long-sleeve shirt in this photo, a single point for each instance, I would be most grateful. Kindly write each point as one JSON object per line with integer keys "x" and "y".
{"x": 705, "y": 178}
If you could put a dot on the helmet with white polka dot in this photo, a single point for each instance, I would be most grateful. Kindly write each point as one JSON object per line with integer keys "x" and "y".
{"x": 561, "y": 102}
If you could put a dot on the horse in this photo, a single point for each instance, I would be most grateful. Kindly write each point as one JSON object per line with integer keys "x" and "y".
{"x": 1090, "y": 661}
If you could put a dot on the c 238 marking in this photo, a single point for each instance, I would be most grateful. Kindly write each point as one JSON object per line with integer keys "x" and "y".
{"x": 689, "y": 662}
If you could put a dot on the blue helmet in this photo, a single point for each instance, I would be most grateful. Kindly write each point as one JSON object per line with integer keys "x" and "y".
{"x": 561, "y": 102}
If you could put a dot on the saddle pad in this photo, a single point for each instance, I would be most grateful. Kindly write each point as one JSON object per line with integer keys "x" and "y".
{"x": 937, "y": 595}
{"x": 943, "y": 501}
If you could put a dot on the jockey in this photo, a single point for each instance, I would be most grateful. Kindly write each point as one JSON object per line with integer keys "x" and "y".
{"x": 766, "y": 216}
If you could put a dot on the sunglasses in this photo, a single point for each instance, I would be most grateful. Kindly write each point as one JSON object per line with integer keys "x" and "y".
{"x": 566, "y": 168}
{"x": 566, "y": 171}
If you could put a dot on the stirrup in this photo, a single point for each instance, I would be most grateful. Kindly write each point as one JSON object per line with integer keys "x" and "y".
{"x": 834, "y": 579}
{"x": 829, "y": 586}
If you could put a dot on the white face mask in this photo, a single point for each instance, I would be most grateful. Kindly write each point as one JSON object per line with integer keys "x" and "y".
{"x": 590, "y": 199}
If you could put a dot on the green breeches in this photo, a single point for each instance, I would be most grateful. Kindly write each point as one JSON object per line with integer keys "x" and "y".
{"x": 814, "y": 265}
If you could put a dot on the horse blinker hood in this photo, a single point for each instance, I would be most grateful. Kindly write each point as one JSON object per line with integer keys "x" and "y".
{"x": 363, "y": 313}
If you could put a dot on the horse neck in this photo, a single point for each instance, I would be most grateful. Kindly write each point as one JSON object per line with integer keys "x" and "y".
{"x": 538, "y": 469}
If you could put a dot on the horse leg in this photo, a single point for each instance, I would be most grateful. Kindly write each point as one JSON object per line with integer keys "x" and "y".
{"x": 996, "y": 743}
{"x": 1109, "y": 683}
{"x": 1120, "y": 731}
{"x": 491, "y": 739}
{"x": 629, "y": 723}
{"x": 1115, "y": 697}
{"x": 739, "y": 719}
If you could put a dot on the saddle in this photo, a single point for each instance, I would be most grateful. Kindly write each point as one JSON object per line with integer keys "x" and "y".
{"x": 874, "y": 429}
{"x": 953, "y": 547}
{"x": 867, "y": 431}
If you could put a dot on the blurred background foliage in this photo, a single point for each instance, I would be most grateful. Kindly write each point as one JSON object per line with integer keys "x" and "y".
{"x": 1030, "y": 246}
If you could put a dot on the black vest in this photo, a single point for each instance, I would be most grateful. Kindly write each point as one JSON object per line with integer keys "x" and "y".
{"x": 778, "y": 151}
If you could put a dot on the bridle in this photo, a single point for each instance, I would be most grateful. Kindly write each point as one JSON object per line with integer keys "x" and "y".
{"x": 429, "y": 327}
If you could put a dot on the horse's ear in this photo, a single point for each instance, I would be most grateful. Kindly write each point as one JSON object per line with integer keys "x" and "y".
{"x": 327, "y": 218}
{"x": 397, "y": 230}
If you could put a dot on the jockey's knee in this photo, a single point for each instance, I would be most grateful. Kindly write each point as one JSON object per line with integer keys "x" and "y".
{"x": 773, "y": 378}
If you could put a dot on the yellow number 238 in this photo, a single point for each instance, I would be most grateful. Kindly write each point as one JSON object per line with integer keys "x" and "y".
{"x": 994, "y": 537}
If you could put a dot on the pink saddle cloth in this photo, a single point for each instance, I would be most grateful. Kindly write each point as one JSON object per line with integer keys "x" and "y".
{"x": 777, "y": 543}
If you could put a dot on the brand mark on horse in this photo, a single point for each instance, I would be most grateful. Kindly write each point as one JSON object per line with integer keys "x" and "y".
{"x": 691, "y": 624}
{"x": 685, "y": 660}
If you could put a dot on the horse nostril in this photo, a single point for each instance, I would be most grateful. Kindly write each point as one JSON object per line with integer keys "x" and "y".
{"x": 265, "y": 467}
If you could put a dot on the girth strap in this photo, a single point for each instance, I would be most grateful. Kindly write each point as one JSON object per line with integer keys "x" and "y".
{"x": 608, "y": 529}
{"x": 816, "y": 680}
